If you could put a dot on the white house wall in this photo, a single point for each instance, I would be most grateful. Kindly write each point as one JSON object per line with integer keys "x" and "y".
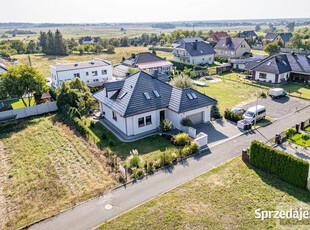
{"x": 203, "y": 59}
{"x": 120, "y": 123}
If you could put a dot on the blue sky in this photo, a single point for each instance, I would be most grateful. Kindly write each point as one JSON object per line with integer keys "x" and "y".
{"x": 73, "y": 11}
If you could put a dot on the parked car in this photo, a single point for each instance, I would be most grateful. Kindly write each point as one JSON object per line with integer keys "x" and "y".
{"x": 277, "y": 92}
{"x": 255, "y": 113}
{"x": 5, "y": 107}
{"x": 238, "y": 110}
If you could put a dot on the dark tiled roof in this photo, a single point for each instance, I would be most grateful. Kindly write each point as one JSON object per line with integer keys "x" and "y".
{"x": 202, "y": 48}
{"x": 218, "y": 35}
{"x": 146, "y": 57}
{"x": 232, "y": 44}
{"x": 270, "y": 36}
{"x": 282, "y": 63}
{"x": 130, "y": 99}
{"x": 87, "y": 39}
{"x": 249, "y": 33}
{"x": 286, "y": 37}
{"x": 114, "y": 85}
{"x": 163, "y": 77}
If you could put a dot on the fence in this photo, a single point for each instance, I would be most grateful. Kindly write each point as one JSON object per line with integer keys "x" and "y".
{"x": 30, "y": 111}
{"x": 189, "y": 130}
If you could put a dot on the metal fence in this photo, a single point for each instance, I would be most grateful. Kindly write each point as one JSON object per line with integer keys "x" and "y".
{"x": 30, "y": 111}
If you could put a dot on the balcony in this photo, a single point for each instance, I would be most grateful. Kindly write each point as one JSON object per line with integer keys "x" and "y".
{"x": 180, "y": 55}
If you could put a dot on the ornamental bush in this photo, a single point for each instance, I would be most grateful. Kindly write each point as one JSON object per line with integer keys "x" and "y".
{"x": 182, "y": 139}
{"x": 165, "y": 126}
{"x": 186, "y": 122}
{"x": 287, "y": 167}
{"x": 235, "y": 117}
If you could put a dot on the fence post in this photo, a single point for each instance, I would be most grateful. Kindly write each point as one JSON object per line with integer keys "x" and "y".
{"x": 302, "y": 125}
{"x": 297, "y": 128}
{"x": 245, "y": 156}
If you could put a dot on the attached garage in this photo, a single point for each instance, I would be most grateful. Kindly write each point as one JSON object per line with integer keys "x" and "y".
{"x": 196, "y": 118}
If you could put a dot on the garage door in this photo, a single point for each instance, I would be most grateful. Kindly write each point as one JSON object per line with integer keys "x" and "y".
{"x": 196, "y": 118}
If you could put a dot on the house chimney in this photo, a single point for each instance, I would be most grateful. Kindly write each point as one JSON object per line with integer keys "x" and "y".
{"x": 133, "y": 55}
{"x": 279, "y": 58}
{"x": 195, "y": 44}
{"x": 227, "y": 40}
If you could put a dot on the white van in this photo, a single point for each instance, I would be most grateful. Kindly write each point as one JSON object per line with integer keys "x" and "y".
{"x": 251, "y": 113}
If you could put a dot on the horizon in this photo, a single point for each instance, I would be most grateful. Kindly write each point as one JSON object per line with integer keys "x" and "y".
{"x": 120, "y": 11}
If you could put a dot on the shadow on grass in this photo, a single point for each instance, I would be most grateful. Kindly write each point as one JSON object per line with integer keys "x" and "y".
{"x": 272, "y": 180}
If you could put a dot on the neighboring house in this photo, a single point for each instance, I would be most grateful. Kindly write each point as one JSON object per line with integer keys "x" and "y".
{"x": 248, "y": 34}
{"x": 195, "y": 52}
{"x": 90, "y": 40}
{"x": 240, "y": 63}
{"x": 138, "y": 104}
{"x": 280, "y": 38}
{"x": 96, "y": 70}
{"x": 278, "y": 68}
{"x": 3, "y": 68}
{"x": 233, "y": 47}
{"x": 216, "y": 37}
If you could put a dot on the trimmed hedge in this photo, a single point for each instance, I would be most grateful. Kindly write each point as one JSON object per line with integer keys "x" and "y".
{"x": 235, "y": 117}
{"x": 289, "y": 168}
{"x": 182, "y": 65}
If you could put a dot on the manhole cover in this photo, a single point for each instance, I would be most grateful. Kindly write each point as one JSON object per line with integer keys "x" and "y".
{"x": 108, "y": 206}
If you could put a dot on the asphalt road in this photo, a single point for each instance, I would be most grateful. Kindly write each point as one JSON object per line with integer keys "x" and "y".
{"x": 96, "y": 211}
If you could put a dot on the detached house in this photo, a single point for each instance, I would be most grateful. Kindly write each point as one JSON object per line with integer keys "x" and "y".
{"x": 217, "y": 36}
{"x": 137, "y": 104}
{"x": 280, "y": 38}
{"x": 194, "y": 51}
{"x": 96, "y": 70}
{"x": 248, "y": 34}
{"x": 233, "y": 47}
{"x": 90, "y": 40}
{"x": 278, "y": 68}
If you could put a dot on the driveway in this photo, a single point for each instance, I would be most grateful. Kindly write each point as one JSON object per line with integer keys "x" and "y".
{"x": 277, "y": 108}
{"x": 218, "y": 130}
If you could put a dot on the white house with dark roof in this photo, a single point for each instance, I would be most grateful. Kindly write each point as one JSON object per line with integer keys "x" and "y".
{"x": 137, "y": 104}
{"x": 96, "y": 70}
{"x": 232, "y": 47}
{"x": 278, "y": 68}
{"x": 194, "y": 51}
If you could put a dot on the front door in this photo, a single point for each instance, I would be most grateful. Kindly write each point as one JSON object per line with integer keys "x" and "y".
{"x": 162, "y": 115}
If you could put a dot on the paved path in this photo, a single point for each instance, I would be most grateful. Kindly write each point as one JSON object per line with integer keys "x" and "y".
{"x": 93, "y": 213}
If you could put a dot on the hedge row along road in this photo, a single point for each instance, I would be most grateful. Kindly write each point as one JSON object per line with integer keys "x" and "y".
{"x": 94, "y": 212}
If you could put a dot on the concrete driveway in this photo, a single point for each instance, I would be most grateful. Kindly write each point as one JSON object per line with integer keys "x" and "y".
{"x": 277, "y": 108}
{"x": 218, "y": 130}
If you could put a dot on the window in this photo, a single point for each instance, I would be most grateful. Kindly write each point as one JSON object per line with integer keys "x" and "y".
{"x": 194, "y": 95}
{"x": 95, "y": 80}
{"x": 261, "y": 112}
{"x": 87, "y": 73}
{"x": 94, "y": 73}
{"x": 104, "y": 72}
{"x": 262, "y": 75}
{"x": 77, "y": 75}
{"x": 114, "y": 116}
{"x": 190, "y": 97}
{"x": 141, "y": 122}
{"x": 147, "y": 96}
{"x": 148, "y": 120}
{"x": 156, "y": 93}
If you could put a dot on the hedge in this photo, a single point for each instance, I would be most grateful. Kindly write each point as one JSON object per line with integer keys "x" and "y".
{"x": 235, "y": 117}
{"x": 182, "y": 65}
{"x": 288, "y": 168}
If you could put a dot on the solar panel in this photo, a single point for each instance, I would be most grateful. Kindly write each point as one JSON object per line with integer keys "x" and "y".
{"x": 194, "y": 95}
{"x": 156, "y": 93}
{"x": 190, "y": 96}
{"x": 147, "y": 96}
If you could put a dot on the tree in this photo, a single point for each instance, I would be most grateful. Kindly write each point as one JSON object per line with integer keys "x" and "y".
{"x": 114, "y": 42}
{"x": 72, "y": 44}
{"x": 290, "y": 26}
{"x": 76, "y": 94}
{"x": 257, "y": 28}
{"x": 19, "y": 46}
{"x": 296, "y": 41}
{"x": 154, "y": 52}
{"x": 81, "y": 49}
{"x": 43, "y": 41}
{"x": 215, "y": 112}
{"x": 23, "y": 80}
{"x": 98, "y": 48}
{"x": 272, "y": 48}
{"x": 182, "y": 82}
{"x": 110, "y": 49}
{"x": 60, "y": 45}
{"x": 124, "y": 42}
{"x": 50, "y": 43}
{"x": 31, "y": 47}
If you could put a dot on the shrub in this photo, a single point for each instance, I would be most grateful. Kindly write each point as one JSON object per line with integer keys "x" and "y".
{"x": 103, "y": 136}
{"x": 215, "y": 112}
{"x": 263, "y": 94}
{"x": 290, "y": 132}
{"x": 182, "y": 82}
{"x": 139, "y": 173}
{"x": 182, "y": 65}
{"x": 305, "y": 137}
{"x": 165, "y": 126}
{"x": 182, "y": 139}
{"x": 165, "y": 158}
{"x": 194, "y": 147}
{"x": 150, "y": 167}
{"x": 111, "y": 142}
{"x": 186, "y": 122}
{"x": 235, "y": 117}
{"x": 287, "y": 167}
{"x": 134, "y": 161}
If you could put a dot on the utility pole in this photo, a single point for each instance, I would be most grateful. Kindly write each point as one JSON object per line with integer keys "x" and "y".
{"x": 255, "y": 120}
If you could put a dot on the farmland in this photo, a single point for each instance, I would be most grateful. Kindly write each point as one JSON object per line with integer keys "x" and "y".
{"x": 45, "y": 168}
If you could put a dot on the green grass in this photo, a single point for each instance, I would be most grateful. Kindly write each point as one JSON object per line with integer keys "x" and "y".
{"x": 297, "y": 90}
{"x": 149, "y": 147}
{"x": 224, "y": 198}
{"x": 229, "y": 94}
{"x": 296, "y": 139}
{"x": 18, "y": 103}
{"x": 308, "y": 129}
{"x": 46, "y": 168}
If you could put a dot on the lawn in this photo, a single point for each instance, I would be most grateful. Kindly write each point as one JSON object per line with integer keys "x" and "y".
{"x": 42, "y": 62}
{"x": 296, "y": 139}
{"x": 224, "y": 198}
{"x": 229, "y": 94}
{"x": 297, "y": 90}
{"x": 45, "y": 168}
{"x": 149, "y": 148}
{"x": 18, "y": 103}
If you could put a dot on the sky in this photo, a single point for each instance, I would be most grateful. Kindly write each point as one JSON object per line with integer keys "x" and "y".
{"x": 99, "y": 11}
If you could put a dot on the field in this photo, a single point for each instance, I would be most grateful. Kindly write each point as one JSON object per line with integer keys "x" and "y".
{"x": 224, "y": 198}
{"x": 44, "y": 168}
{"x": 297, "y": 90}
{"x": 42, "y": 62}
{"x": 148, "y": 148}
